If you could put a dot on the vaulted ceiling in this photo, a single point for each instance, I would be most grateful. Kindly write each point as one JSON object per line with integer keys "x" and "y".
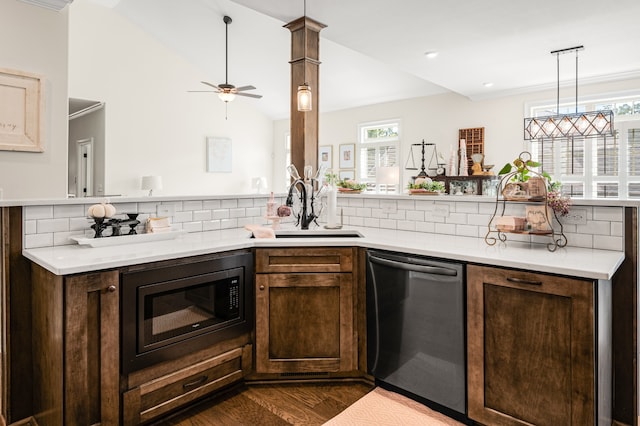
{"x": 374, "y": 50}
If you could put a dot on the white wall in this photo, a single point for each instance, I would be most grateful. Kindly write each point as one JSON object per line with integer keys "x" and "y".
{"x": 153, "y": 125}
{"x": 35, "y": 40}
{"x": 437, "y": 119}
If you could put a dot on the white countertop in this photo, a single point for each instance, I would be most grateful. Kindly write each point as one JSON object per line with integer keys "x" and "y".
{"x": 570, "y": 261}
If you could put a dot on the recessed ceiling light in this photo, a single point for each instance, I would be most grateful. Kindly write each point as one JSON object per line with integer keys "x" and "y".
{"x": 487, "y": 84}
{"x": 431, "y": 54}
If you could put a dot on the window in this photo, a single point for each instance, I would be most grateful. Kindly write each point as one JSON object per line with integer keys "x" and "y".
{"x": 379, "y": 146}
{"x": 595, "y": 167}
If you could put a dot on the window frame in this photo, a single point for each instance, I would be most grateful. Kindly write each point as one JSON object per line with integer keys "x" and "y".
{"x": 363, "y": 142}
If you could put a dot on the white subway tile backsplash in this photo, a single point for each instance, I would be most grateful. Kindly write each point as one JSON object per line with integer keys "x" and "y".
{"x": 192, "y": 205}
{"x": 467, "y": 231}
{"x": 429, "y": 227}
{"x": 52, "y": 225}
{"x": 229, "y": 204}
{"x": 595, "y": 227}
{"x": 606, "y": 242}
{"x": 356, "y": 202}
{"x": 62, "y": 238}
{"x": 378, "y": 213}
{"x": 150, "y": 208}
{"x": 445, "y": 228}
{"x": 460, "y": 207}
{"x": 388, "y": 224}
{"x": 617, "y": 229}
{"x": 192, "y": 226}
{"x": 614, "y": 214}
{"x": 579, "y": 240}
{"x": 415, "y": 215}
{"x": 202, "y": 215}
{"x": 237, "y": 212}
{"x": 228, "y": 223}
{"x": 406, "y": 225}
{"x": 249, "y": 202}
{"x": 186, "y": 216}
{"x": 255, "y": 211}
{"x": 68, "y": 210}
{"x": 478, "y": 219}
{"x": 406, "y": 204}
{"x": 363, "y": 212}
{"x": 30, "y": 227}
{"x": 38, "y": 240}
{"x": 80, "y": 223}
{"x": 210, "y": 225}
{"x": 372, "y": 203}
{"x": 458, "y": 218}
{"x": 398, "y": 215}
{"x": 220, "y": 214}
{"x": 38, "y": 212}
{"x": 356, "y": 221}
{"x": 211, "y": 204}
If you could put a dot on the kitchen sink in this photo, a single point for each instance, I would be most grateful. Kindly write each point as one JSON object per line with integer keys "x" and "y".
{"x": 325, "y": 233}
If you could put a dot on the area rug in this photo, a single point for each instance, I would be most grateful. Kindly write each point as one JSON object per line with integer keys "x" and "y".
{"x": 382, "y": 407}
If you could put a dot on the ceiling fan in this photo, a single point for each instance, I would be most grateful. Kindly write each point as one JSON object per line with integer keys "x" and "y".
{"x": 227, "y": 92}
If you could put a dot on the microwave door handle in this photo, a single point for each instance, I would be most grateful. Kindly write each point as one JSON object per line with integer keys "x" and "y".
{"x": 434, "y": 270}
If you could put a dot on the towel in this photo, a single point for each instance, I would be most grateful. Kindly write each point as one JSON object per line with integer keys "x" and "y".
{"x": 260, "y": 231}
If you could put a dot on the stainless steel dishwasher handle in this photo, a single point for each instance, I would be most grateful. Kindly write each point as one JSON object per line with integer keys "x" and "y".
{"x": 436, "y": 270}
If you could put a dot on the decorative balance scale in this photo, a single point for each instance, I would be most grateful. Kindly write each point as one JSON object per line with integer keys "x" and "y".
{"x": 435, "y": 158}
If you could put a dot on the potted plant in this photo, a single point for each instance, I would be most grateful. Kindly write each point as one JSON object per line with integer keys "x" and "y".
{"x": 425, "y": 186}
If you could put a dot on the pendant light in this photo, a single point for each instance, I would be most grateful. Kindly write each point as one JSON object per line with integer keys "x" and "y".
{"x": 585, "y": 124}
{"x": 304, "y": 91}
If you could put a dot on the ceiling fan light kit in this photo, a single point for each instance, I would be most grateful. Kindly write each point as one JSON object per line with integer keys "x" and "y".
{"x": 578, "y": 124}
{"x": 228, "y": 92}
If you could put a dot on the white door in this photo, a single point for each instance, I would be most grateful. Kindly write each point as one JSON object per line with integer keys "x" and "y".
{"x": 84, "y": 180}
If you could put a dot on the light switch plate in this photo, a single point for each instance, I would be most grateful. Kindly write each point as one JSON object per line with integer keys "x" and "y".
{"x": 164, "y": 210}
{"x": 575, "y": 217}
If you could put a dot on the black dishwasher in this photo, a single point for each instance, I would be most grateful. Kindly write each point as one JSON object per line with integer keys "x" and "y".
{"x": 416, "y": 328}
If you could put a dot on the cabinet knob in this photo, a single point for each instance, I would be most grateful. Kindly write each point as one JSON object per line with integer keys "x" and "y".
{"x": 111, "y": 288}
{"x": 261, "y": 287}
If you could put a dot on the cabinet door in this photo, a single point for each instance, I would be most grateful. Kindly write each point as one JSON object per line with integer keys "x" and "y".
{"x": 530, "y": 348}
{"x": 91, "y": 355}
{"x": 304, "y": 323}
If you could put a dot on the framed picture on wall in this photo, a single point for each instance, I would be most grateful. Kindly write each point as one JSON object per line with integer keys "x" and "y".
{"x": 347, "y": 156}
{"x": 325, "y": 156}
{"x": 219, "y": 155}
{"x": 347, "y": 174}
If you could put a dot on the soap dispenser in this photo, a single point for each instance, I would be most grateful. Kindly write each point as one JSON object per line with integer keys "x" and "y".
{"x": 271, "y": 206}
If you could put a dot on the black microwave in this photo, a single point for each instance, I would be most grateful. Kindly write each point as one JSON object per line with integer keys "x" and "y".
{"x": 171, "y": 310}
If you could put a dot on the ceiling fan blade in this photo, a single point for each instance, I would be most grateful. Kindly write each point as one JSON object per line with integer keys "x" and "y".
{"x": 201, "y": 91}
{"x": 249, "y": 95}
{"x": 243, "y": 88}
{"x": 210, "y": 85}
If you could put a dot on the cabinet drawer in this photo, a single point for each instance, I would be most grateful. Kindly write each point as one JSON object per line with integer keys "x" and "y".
{"x": 322, "y": 259}
{"x": 157, "y": 397}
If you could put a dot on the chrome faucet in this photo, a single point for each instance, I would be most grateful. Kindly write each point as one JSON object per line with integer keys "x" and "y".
{"x": 304, "y": 217}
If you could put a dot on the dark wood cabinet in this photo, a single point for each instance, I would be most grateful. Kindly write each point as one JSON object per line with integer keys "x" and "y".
{"x": 75, "y": 321}
{"x": 539, "y": 348}
{"x": 305, "y": 310}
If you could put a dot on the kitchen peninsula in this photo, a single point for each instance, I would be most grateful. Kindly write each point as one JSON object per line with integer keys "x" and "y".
{"x": 444, "y": 227}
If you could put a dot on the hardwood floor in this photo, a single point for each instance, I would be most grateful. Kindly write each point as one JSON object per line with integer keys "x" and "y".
{"x": 273, "y": 404}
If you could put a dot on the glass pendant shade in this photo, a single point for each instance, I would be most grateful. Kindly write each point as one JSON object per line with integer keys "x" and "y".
{"x": 304, "y": 98}
{"x": 227, "y": 96}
